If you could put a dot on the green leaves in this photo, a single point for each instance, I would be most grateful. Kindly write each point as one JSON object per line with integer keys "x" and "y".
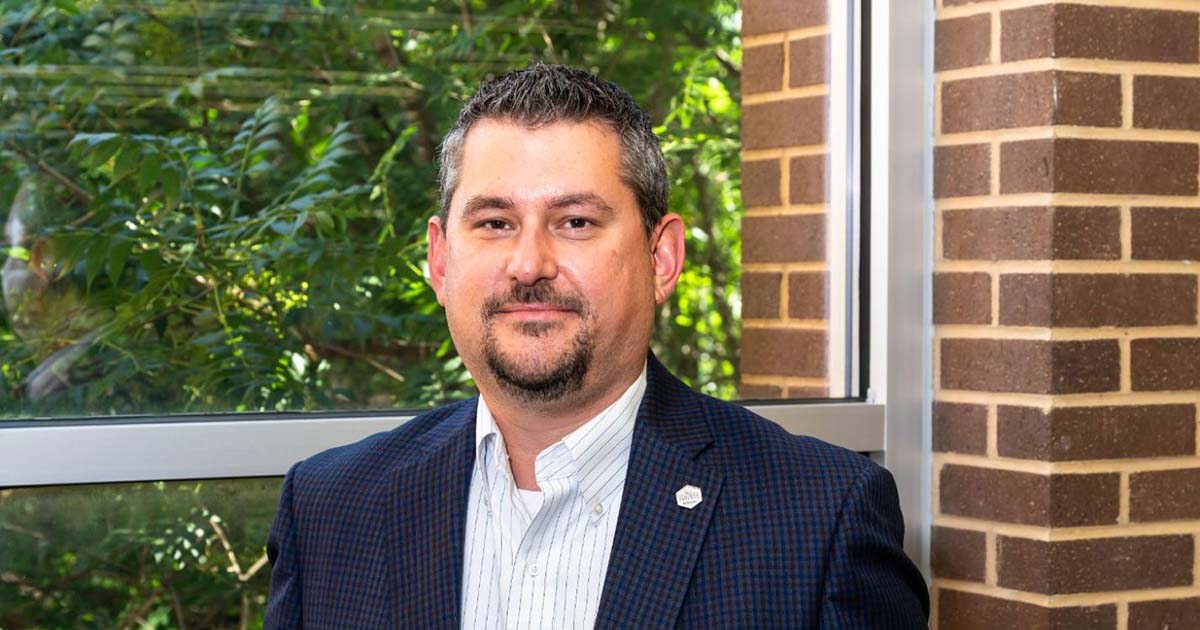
{"x": 270, "y": 181}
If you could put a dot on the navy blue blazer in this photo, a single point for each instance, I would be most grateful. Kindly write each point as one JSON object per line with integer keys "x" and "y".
{"x": 792, "y": 532}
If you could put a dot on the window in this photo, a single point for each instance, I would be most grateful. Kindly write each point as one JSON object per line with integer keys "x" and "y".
{"x": 213, "y": 260}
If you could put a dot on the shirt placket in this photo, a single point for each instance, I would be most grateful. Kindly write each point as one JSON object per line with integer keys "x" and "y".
{"x": 502, "y": 520}
{"x": 533, "y": 569}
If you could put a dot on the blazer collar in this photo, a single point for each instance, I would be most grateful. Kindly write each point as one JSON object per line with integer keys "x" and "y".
{"x": 657, "y": 539}
{"x": 656, "y": 542}
{"x": 426, "y": 516}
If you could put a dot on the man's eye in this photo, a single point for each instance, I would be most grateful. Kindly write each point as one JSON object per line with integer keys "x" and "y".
{"x": 494, "y": 224}
{"x": 578, "y": 223}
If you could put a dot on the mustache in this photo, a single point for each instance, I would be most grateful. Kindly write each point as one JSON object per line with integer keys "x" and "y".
{"x": 534, "y": 294}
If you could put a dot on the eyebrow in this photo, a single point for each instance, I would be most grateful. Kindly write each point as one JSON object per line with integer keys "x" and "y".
{"x": 480, "y": 203}
{"x": 582, "y": 199}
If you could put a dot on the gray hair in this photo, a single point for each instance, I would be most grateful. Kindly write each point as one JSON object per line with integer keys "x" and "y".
{"x": 542, "y": 95}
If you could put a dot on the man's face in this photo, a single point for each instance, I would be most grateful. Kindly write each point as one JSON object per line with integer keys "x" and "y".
{"x": 544, "y": 266}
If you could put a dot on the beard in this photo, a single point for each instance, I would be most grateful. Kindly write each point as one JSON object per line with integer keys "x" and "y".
{"x": 544, "y": 378}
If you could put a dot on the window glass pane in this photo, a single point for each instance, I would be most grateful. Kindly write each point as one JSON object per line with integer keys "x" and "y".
{"x": 221, "y": 206}
{"x": 804, "y": 211}
{"x": 187, "y": 554}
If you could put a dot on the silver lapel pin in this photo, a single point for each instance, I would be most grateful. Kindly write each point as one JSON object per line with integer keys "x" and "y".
{"x": 688, "y": 497}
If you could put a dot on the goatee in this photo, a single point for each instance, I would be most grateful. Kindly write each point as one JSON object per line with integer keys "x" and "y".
{"x": 543, "y": 379}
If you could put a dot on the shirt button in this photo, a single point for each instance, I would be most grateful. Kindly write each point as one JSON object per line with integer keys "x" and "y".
{"x": 598, "y": 509}
{"x": 535, "y": 569}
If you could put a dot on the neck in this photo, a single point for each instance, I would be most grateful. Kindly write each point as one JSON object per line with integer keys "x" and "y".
{"x": 529, "y": 428}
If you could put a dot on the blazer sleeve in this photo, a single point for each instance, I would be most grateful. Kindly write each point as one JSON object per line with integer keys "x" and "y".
{"x": 283, "y": 602}
{"x": 869, "y": 581}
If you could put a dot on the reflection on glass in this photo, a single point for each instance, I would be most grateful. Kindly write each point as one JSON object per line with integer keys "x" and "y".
{"x": 187, "y": 554}
{"x": 221, "y": 206}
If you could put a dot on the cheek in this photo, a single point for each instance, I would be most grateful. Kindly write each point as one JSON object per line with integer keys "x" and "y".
{"x": 619, "y": 283}
{"x": 461, "y": 293}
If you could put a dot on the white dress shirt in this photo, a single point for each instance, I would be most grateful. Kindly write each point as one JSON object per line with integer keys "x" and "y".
{"x": 538, "y": 559}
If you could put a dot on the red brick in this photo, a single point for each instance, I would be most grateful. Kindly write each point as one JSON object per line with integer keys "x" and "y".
{"x": 1032, "y": 233}
{"x": 1165, "y": 364}
{"x": 1166, "y": 102}
{"x": 1033, "y": 99}
{"x": 806, "y": 295}
{"x": 761, "y": 183}
{"x": 1095, "y": 432}
{"x": 783, "y": 352}
{"x": 959, "y": 428}
{"x": 806, "y": 61}
{"x": 962, "y": 298}
{"x": 1095, "y": 564}
{"x": 762, "y": 68}
{"x": 1092, "y": 300}
{"x": 962, "y": 170}
{"x": 773, "y": 16}
{"x": 1028, "y": 498}
{"x": 1164, "y": 495}
{"x": 1166, "y": 233}
{"x": 794, "y": 238}
{"x": 1027, "y": 33}
{"x": 1099, "y": 166}
{"x": 958, "y": 610}
{"x": 798, "y": 393}
{"x": 958, "y": 554}
{"x": 1164, "y": 614}
{"x": 963, "y": 42}
{"x": 1094, "y": 32}
{"x": 793, "y": 122}
{"x": 1030, "y": 366}
{"x": 760, "y": 295}
{"x": 806, "y": 179}
{"x": 1026, "y": 299}
{"x": 759, "y": 392}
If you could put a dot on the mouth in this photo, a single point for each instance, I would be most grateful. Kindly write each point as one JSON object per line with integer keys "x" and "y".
{"x": 527, "y": 312}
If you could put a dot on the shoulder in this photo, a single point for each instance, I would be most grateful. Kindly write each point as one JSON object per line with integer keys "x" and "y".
{"x": 373, "y": 457}
{"x": 746, "y": 445}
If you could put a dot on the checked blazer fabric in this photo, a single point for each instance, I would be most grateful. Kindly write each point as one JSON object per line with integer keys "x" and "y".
{"x": 792, "y": 532}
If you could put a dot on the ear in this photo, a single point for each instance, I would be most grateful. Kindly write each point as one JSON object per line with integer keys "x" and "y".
{"x": 666, "y": 255}
{"x": 435, "y": 256}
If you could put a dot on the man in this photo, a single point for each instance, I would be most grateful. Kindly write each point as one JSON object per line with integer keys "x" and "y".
{"x": 585, "y": 486}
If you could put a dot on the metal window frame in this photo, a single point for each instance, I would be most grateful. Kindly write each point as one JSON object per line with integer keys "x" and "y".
{"x": 892, "y": 423}
{"x": 901, "y": 83}
{"x": 104, "y": 451}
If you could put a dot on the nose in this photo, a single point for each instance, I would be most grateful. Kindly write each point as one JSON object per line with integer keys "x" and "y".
{"x": 533, "y": 258}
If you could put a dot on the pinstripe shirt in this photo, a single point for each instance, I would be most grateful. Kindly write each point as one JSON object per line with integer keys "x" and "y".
{"x": 539, "y": 562}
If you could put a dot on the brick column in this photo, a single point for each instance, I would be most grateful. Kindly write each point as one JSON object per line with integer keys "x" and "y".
{"x": 784, "y": 153}
{"x": 1067, "y": 351}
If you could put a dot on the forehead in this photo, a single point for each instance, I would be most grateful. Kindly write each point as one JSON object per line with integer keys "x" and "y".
{"x": 528, "y": 164}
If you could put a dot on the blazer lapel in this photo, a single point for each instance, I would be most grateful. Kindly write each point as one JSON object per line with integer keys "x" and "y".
{"x": 427, "y": 518}
{"x": 657, "y": 540}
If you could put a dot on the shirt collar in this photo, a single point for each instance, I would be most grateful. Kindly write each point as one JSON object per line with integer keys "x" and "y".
{"x": 597, "y": 451}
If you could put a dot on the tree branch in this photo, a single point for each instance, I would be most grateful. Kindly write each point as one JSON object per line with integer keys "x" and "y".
{"x": 465, "y": 13}
{"x": 699, "y": 42}
{"x": 42, "y": 166}
{"x": 428, "y": 136}
{"x": 387, "y": 371}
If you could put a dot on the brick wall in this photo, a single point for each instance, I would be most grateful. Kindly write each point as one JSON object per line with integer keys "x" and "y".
{"x": 1067, "y": 352}
{"x": 784, "y": 155}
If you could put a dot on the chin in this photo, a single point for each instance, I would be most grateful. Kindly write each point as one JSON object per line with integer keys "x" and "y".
{"x": 539, "y": 370}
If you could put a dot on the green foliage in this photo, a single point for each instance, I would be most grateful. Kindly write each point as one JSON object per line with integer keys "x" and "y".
{"x": 225, "y": 208}
{"x": 146, "y": 555}
{"x": 221, "y": 206}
